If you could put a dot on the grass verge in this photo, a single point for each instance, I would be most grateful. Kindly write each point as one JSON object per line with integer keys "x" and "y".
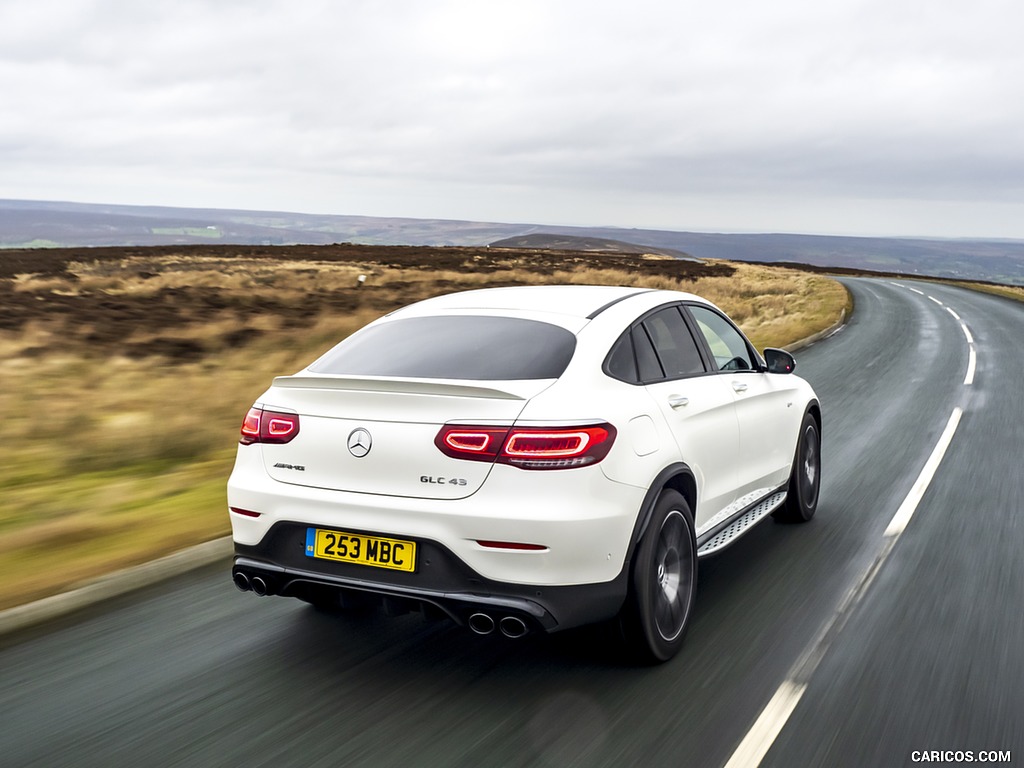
{"x": 1014, "y": 292}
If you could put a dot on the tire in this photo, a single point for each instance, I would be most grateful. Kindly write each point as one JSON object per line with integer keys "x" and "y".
{"x": 663, "y": 583}
{"x": 805, "y": 479}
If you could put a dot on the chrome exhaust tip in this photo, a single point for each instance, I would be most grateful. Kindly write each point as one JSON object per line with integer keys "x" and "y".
{"x": 259, "y": 586}
{"x": 513, "y": 626}
{"x": 481, "y": 623}
{"x": 241, "y": 581}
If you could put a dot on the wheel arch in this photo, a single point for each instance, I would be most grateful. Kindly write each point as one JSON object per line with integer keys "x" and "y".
{"x": 677, "y": 476}
{"x": 814, "y": 411}
{"x": 814, "y": 408}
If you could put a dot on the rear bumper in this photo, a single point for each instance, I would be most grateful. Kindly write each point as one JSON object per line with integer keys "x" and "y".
{"x": 441, "y": 583}
{"x": 582, "y": 520}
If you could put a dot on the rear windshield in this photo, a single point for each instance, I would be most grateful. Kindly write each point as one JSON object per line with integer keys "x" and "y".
{"x": 455, "y": 347}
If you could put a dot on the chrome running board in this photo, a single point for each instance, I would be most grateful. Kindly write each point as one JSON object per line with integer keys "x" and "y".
{"x": 741, "y": 524}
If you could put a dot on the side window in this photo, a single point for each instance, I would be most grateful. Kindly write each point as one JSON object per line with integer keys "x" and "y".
{"x": 660, "y": 347}
{"x": 728, "y": 346}
{"x": 621, "y": 361}
{"x": 647, "y": 361}
{"x": 673, "y": 343}
{"x": 633, "y": 359}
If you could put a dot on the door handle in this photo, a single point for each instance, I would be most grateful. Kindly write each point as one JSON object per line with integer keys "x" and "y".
{"x": 678, "y": 401}
{"x": 739, "y": 386}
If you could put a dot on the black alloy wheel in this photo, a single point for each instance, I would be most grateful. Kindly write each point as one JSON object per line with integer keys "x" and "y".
{"x": 664, "y": 582}
{"x": 805, "y": 478}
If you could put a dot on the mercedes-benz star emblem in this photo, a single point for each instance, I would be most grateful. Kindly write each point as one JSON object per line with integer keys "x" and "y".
{"x": 359, "y": 442}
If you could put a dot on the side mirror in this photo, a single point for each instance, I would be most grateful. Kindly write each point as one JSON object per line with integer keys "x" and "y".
{"x": 779, "y": 361}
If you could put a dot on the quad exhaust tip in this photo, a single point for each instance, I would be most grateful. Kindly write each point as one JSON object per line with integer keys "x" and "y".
{"x": 259, "y": 586}
{"x": 256, "y": 584}
{"x": 481, "y": 623}
{"x": 510, "y": 626}
{"x": 513, "y": 626}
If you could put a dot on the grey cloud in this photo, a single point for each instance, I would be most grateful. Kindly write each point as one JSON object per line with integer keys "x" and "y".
{"x": 573, "y": 109}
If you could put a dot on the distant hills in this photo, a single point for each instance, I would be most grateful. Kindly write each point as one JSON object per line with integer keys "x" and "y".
{"x": 31, "y": 224}
{"x": 554, "y": 242}
{"x": 34, "y": 224}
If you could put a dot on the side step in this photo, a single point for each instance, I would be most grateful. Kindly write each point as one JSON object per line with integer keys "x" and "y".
{"x": 739, "y": 526}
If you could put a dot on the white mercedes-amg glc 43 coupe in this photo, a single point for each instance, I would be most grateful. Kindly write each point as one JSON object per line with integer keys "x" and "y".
{"x": 523, "y": 460}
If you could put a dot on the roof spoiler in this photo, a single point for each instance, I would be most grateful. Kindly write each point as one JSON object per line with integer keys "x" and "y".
{"x": 510, "y": 390}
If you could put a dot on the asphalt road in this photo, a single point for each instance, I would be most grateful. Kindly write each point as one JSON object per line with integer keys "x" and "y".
{"x": 899, "y": 643}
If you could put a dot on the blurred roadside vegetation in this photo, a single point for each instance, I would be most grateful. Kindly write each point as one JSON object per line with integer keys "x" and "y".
{"x": 118, "y": 428}
{"x": 1015, "y": 292}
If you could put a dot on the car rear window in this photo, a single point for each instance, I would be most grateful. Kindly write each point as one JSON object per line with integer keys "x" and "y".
{"x": 454, "y": 347}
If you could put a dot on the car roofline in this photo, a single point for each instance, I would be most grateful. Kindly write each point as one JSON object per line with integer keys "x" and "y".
{"x": 615, "y": 301}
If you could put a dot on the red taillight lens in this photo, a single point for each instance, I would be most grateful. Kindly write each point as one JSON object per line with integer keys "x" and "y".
{"x": 547, "y": 444}
{"x": 473, "y": 443}
{"x": 561, "y": 448}
{"x": 528, "y": 447}
{"x": 251, "y": 426}
{"x": 280, "y": 427}
{"x": 262, "y": 426}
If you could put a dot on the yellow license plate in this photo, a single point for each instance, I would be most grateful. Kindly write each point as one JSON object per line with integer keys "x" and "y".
{"x": 375, "y": 551}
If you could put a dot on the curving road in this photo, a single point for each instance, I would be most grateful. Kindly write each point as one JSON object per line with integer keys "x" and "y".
{"x": 891, "y": 624}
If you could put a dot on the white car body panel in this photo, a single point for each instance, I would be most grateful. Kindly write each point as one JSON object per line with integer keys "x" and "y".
{"x": 708, "y": 436}
{"x": 769, "y": 411}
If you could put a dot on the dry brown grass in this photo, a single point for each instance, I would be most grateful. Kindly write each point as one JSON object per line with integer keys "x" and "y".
{"x": 119, "y": 424}
{"x": 1014, "y": 292}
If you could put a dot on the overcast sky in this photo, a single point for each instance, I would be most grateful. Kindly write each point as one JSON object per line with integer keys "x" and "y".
{"x": 872, "y": 117}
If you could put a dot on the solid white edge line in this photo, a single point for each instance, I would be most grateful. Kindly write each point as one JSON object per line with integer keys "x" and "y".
{"x": 906, "y": 511}
{"x": 936, "y": 301}
{"x": 954, "y": 314}
{"x": 967, "y": 333}
{"x": 972, "y": 362}
{"x": 763, "y": 732}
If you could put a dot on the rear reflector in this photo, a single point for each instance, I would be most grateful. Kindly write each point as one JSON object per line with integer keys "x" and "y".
{"x": 512, "y": 545}
{"x": 528, "y": 447}
{"x": 244, "y": 512}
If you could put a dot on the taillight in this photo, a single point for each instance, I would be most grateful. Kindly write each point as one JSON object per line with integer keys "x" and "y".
{"x": 473, "y": 443}
{"x": 528, "y": 447}
{"x": 263, "y": 426}
{"x": 561, "y": 448}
